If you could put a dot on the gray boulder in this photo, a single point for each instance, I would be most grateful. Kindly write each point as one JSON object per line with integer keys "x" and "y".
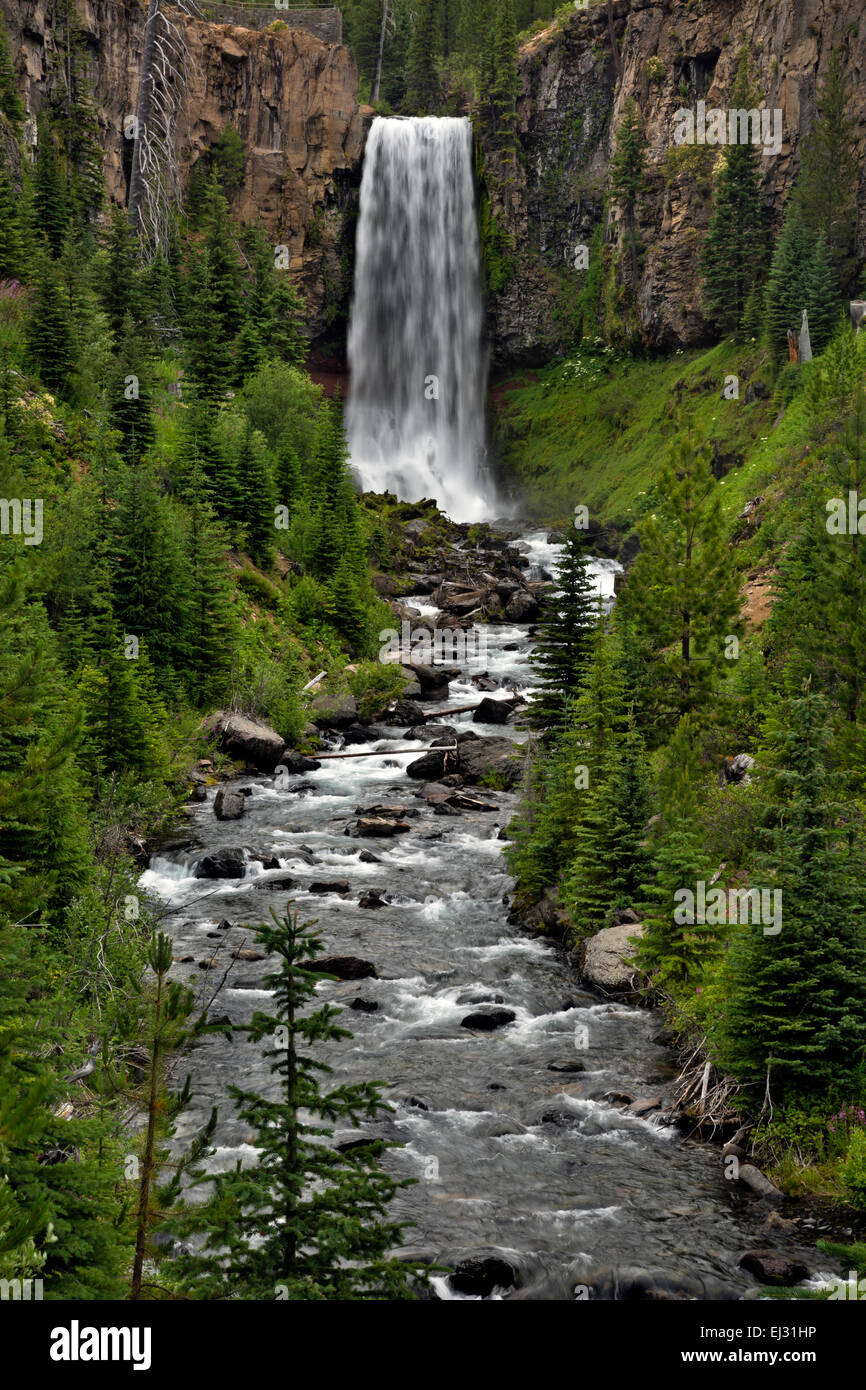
{"x": 608, "y": 958}
{"x": 241, "y": 736}
{"x": 229, "y": 804}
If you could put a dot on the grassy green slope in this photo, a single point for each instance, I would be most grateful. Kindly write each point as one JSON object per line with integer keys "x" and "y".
{"x": 594, "y": 429}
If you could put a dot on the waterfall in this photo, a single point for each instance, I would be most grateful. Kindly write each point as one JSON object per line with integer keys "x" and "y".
{"x": 415, "y": 414}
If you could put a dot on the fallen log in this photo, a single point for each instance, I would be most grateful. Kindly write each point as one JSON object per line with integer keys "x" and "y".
{"x": 381, "y": 752}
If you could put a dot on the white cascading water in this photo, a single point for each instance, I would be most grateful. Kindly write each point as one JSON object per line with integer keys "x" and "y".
{"x": 415, "y": 414}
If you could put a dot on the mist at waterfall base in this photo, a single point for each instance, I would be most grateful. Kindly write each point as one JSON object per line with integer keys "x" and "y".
{"x": 415, "y": 413}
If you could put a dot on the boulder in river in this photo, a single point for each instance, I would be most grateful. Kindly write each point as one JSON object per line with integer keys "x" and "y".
{"x": 401, "y": 712}
{"x": 372, "y": 899}
{"x": 522, "y": 607}
{"x": 772, "y": 1267}
{"x": 364, "y": 1006}
{"x": 223, "y": 863}
{"x": 378, "y": 827}
{"x": 330, "y": 885}
{"x": 488, "y": 1019}
{"x": 346, "y": 967}
{"x": 229, "y": 804}
{"x": 493, "y": 711}
{"x": 608, "y": 958}
{"x": 480, "y": 1275}
{"x": 567, "y": 1064}
{"x": 247, "y": 739}
{"x": 356, "y": 733}
{"x": 483, "y": 758}
{"x": 298, "y": 762}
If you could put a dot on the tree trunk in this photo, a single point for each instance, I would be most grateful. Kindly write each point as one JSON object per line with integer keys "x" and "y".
{"x": 142, "y": 114}
{"x": 374, "y": 95}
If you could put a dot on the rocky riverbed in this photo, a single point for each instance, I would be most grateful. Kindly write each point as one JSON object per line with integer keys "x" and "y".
{"x": 530, "y": 1109}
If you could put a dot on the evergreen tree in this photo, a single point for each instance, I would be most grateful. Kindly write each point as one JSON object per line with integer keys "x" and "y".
{"x": 167, "y": 1030}
{"x": 789, "y": 285}
{"x": 51, "y": 207}
{"x": 683, "y": 593}
{"x": 14, "y": 241}
{"x": 121, "y": 733}
{"x": 212, "y": 621}
{"x": 677, "y": 944}
{"x": 564, "y": 635}
{"x": 627, "y": 177}
{"x": 332, "y": 499}
{"x": 308, "y": 1222}
{"x": 608, "y": 866}
{"x": 796, "y": 1012}
{"x": 825, "y": 302}
{"x": 49, "y": 330}
{"x": 504, "y": 80}
{"x": 121, "y": 287}
{"x": 146, "y": 560}
{"x": 40, "y": 830}
{"x": 58, "y": 1175}
{"x": 130, "y": 408}
{"x": 10, "y": 98}
{"x": 826, "y": 190}
{"x": 422, "y": 82}
{"x": 734, "y": 252}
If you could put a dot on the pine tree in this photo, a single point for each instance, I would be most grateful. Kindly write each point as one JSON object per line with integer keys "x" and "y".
{"x": 121, "y": 734}
{"x": 826, "y": 190}
{"x": 212, "y": 621}
{"x": 39, "y": 831}
{"x": 58, "y": 1177}
{"x": 147, "y": 559}
{"x": 683, "y": 593}
{"x": 733, "y": 257}
{"x": 333, "y": 538}
{"x": 676, "y": 946}
{"x": 789, "y": 283}
{"x": 130, "y": 407}
{"x": 564, "y": 635}
{"x": 308, "y": 1222}
{"x": 825, "y": 302}
{"x": 121, "y": 288}
{"x": 49, "y": 330}
{"x": 422, "y": 82}
{"x": 208, "y": 446}
{"x": 504, "y": 82}
{"x": 608, "y": 866}
{"x": 796, "y": 1013}
{"x": 627, "y": 177}
{"x": 51, "y": 208}
{"x": 14, "y": 241}
{"x": 10, "y": 98}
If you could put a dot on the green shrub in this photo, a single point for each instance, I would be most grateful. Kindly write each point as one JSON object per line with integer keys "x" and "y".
{"x": 374, "y": 684}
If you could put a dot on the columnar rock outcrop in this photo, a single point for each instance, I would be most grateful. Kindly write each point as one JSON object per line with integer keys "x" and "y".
{"x": 673, "y": 54}
{"x": 291, "y": 96}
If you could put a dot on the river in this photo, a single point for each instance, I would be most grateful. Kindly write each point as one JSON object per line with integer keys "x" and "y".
{"x": 514, "y": 1160}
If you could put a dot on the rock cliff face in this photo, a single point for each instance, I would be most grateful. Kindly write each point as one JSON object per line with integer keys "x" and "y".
{"x": 291, "y": 96}
{"x": 673, "y": 53}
